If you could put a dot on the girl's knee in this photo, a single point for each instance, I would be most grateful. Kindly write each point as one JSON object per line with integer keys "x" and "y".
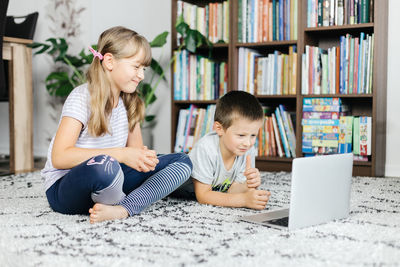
{"x": 184, "y": 158}
{"x": 109, "y": 180}
{"x": 105, "y": 168}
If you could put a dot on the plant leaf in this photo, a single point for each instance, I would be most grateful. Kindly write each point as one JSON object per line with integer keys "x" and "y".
{"x": 160, "y": 40}
{"x": 62, "y": 47}
{"x": 43, "y": 49}
{"x": 149, "y": 118}
{"x": 191, "y": 41}
{"x": 156, "y": 67}
{"x": 152, "y": 99}
{"x": 182, "y": 28}
{"x": 58, "y": 83}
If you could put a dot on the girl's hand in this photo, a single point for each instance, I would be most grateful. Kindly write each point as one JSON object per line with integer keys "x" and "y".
{"x": 253, "y": 176}
{"x": 140, "y": 159}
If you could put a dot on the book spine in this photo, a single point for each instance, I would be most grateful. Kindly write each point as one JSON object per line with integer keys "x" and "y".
{"x": 282, "y": 133}
{"x": 321, "y": 122}
{"x": 277, "y": 136}
{"x": 289, "y": 136}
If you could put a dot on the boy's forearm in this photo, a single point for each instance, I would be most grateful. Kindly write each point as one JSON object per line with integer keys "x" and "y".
{"x": 236, "y": 200}
{"x": 238, "y": 188}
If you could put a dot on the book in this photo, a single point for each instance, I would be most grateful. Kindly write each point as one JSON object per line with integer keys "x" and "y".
{"x": 277, "y": 136}
{"x": 365, "y": 133}
{"x": 289, "y": 133}
{"x": 180, "y": 131}
{"x": 282, "y": 133}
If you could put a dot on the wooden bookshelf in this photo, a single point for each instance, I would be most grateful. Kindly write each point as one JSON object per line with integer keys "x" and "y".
{"x": 373, "y": 105}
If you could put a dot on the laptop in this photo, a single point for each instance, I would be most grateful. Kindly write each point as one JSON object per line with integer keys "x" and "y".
{"x": 320, "y": 192}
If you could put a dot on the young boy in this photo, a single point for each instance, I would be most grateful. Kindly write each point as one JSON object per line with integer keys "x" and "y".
{"x": 223, "y": 160}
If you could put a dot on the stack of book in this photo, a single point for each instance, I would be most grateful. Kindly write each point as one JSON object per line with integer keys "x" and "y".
{"x": 339, "y": 12}
{"x": 198, "y": 78}
{"x": 211, "y": 20}
{"x": 277, "y": 136}
{"x": 267, "y": 20}
{"x": 274, "y": 74}
{"x": 345, "y": 134}
{"x": 321, "y": 125}
{"x": 193, "y": 123}
{"x": 362, "y": 128}
{"x": 346, "y": 69}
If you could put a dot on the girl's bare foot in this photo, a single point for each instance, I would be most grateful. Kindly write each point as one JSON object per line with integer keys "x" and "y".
{"x": 102, "y": 212}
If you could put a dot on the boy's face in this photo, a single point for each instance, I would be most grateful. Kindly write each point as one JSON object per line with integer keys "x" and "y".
{"x": 239, "y": 137}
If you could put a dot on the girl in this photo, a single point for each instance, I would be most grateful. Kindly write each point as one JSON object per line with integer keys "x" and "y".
{"x": 97, "y": 162}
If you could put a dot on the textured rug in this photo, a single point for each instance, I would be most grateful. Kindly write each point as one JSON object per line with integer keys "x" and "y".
{"x": 184, "y": 233}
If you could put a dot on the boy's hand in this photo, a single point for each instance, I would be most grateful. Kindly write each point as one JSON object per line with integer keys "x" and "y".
{"x": 257, "y": 199}
{"x": 253, "y": 176}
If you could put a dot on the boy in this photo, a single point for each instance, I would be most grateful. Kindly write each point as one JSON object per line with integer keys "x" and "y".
{"x": 222, "y": 160}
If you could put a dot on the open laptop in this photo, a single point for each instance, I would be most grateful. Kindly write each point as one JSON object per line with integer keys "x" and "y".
{"x": 320, "y": 192}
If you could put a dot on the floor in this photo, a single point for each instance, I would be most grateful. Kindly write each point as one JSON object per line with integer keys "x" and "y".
{"x": 38, "y": 164}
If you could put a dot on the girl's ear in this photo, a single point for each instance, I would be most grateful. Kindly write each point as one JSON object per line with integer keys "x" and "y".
{"x": 217, "y": 127}
{"x": 108, "y": 61}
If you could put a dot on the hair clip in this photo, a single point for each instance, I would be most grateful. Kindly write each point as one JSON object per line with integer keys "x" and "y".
{"x": 95, "y": 53}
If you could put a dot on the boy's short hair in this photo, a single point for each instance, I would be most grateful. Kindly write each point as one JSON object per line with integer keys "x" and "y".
{"x": 237, "y": 103}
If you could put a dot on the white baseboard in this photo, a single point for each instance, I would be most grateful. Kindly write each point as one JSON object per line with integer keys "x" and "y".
{"x": 392, "y": 170}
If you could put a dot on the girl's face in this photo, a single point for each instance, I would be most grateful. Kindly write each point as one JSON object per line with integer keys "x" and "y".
{"x": 127, "y": 73}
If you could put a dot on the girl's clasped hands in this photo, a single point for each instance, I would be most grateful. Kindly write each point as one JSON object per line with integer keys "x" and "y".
{"x": 141, "y": 159}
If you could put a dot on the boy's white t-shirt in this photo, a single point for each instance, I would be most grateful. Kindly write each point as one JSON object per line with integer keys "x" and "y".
{"x": 208, "y": 165}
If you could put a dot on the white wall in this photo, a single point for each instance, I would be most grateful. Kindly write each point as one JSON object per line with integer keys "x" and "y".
{"x": 149, "y": 21}
{"x": 393, "y": 92}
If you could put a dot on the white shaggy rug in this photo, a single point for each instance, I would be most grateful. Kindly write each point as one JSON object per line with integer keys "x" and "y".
{"x": 184, "y": 233}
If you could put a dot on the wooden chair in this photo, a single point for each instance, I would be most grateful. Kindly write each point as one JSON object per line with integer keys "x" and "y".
{"x": 25, "y": 29}
{"x": 11, "y": 28}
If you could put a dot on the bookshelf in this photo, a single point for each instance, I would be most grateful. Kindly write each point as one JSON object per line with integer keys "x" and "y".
{"x": 373, "y": 104}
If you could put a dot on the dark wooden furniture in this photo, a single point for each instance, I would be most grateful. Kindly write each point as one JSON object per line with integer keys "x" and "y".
{"x": 373, "y": 105}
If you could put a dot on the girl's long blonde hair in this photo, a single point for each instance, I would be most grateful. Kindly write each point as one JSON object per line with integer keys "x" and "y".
{"x": 121, "y": 43}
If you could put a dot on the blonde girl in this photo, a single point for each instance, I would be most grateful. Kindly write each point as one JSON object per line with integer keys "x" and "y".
{"x": 96, "y": 162}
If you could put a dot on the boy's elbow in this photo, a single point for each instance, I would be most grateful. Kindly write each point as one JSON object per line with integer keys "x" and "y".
{"x": 201, "y": 198}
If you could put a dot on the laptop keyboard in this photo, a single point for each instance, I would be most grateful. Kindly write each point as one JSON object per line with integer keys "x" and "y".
{"x": 281, "y": 222}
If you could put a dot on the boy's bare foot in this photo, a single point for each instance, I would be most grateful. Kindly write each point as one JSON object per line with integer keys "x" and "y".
{"x": 102, "y": 212}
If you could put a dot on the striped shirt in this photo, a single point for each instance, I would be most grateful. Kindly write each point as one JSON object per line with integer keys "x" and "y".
{"x": 77, "y": 106}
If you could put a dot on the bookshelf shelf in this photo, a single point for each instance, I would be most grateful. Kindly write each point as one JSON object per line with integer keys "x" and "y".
{"x": 372, "y": 104}
{"x": 358, "y": 27}
{"x": 272, "y": 44}
{"x": 199, "y": 102}
{"x": 263, "y": 158}
{"x": 276, "y": 96}
{"x": 341, "y": 95}
{"x": 362, "y": 163}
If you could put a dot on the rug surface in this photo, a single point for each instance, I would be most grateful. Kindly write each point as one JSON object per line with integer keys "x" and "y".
{"x": 184, "y": 233}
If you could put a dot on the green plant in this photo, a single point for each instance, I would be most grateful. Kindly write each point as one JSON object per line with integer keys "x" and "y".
{"x": 70, "y": 72}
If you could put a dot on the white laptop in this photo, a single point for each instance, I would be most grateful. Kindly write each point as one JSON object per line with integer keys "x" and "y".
{"x": 320, "y": 192}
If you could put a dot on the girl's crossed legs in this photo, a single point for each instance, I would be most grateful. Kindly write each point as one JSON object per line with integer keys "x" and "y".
{"x": 104, "y": 181}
